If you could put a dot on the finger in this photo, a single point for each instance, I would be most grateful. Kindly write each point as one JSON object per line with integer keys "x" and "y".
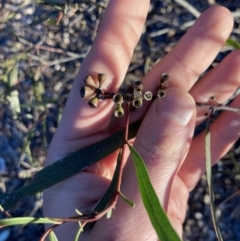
{"x": 162, "y": 141}
{"x": 196, "y": 50}
{"x": 221, "y": 82}
{"x": 119, "y": 32}
{"x": 112, "y": 50}
{"x": 224, "y": 132}
{"x": 191, "y": 56}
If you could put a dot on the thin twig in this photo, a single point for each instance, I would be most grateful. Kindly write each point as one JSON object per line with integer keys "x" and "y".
{"x": 229, "y": 198}
{"x": 219, "y": 108}
{"x": 189, "y": 7}
{"x": 48, "y": 231}
{"x": 115, "y": 195}
{"x": 124, "y": 148}
{"x": 5, "y": 212}
{"x": 57, "y": 50}
{"x": 126, "y": 123}
{"x": 54, "y": 62}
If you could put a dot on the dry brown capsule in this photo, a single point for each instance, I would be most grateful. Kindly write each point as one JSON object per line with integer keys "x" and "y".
{"x": 161, "y": 93}
{"x": 138, "y": 85}
{"x": 118, "y": 98}
{"x": 101, "y": 79}
{"x": 164, "y": 76}
{"x": 118, "y": 112}
{"x": 164, "y": 81}
{"x": 147, "y": 95}
{"x": 137, "y": 103}
{"x": 93, "y": 102}
{"x": 89, "y": 81}
{"x": 86, "y": 91}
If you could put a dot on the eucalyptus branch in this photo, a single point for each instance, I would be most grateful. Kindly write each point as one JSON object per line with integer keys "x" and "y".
{"x": 86, "y": 218}
{"x": 129, "y": 98}
{"x": 218, "y": 107}
{"x": 48, "y": 231}
{"x": 107, "y": 204}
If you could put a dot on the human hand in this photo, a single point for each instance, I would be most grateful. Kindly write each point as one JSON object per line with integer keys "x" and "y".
{"x": 175, "y": 160}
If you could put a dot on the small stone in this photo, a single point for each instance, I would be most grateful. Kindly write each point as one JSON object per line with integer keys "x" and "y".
{"x": 198, "y": 215}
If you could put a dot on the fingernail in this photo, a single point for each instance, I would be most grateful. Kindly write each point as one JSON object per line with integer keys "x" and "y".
{"x": 176, "y": 106}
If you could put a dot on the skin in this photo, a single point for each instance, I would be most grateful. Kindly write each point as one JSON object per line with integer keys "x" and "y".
{"x": 174, "y": 158}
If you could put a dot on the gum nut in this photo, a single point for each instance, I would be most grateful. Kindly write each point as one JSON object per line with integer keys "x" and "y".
{"x": 164, "y": 76}
{"x": 138, "y": 85}
{"x": 161, "y": 93}
{"x": 86, "y": 91}
{"x": 89, "y": 81}
{"x": 119, "y": 112}
{"x": 130, "y": 89}
{"x": 117, "y": 98}
{"x": 93, "y": 102}
{"x": 137, "y": 103}
{"x": 148, "y": 95}
{"x": 164, "y": 84}
{"x": 101, "y": 78}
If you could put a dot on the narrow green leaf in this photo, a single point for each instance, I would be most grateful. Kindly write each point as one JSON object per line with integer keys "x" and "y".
{"x": 37, "y": 74}
{"x": 39, "y": 90}
{"x": 128, "y": 201}
{"x": 78, "y": 234}
{"x": 25, "y": 220}
{"x": 107, "y": 197}
{"x": 78, "y": 212}
{"x": 13, "y": 76}
{"x": 156, "y": 213}
{"x": 52, "y": 236}
{"x": 209, "y": 179}
{"x": 233, "y": 43}
{"x": 109, "y": 213}
{"x": 14, "y": 102}
{"x": 208, "y": 156}
{"x": 69, "y": 166}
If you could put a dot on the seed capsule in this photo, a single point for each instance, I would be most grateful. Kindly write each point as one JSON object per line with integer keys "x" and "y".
{"x": 148, "y": 95}
{"x": 161, "y": 93}
{"x": 86, "y": 91}
{"x": 130, "y": 89}
{"x": 101, "y": 78}
{"x": 118, "y": 112}
{"x": 128, "y": 98}
{"x": 137, "y": 103}
{"x": 89, "y": 81}
{"x": 164, "y": 76}
{"x": 138, "y": 85}
{"x": 93, "y": 102}
{"x": 118, "y": 98}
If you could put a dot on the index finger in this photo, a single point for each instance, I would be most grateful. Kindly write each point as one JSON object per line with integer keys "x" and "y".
{"x": 112, "y": 50}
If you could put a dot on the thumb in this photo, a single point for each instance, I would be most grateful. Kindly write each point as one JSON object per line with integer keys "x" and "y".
{"x": 162, "y": 141}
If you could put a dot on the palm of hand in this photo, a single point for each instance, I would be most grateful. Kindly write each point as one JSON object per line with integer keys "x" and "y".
{"x": 175, "y": 160}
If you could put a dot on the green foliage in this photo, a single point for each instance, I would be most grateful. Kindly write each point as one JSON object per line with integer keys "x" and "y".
{"x": 111, "y": 191}
{"x": 61, "y": 170}
{"x": 52, "y": 236}
{"x": 78, "y": 234}
{"x": 209, "y": 178}
{"x": 25, "y": 220}
{"x": 233, "y": 43}
{"x": 12, "y": 93}
{"x": 129, "y": 202}
{"x": 151, "y": 202}
{"x": 65, "y": 167}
